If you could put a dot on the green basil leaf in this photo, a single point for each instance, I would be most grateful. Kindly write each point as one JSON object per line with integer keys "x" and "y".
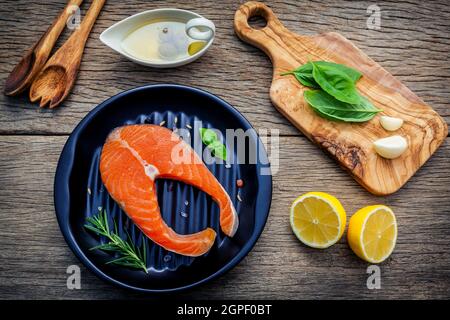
{"x": 353, "y": 74}
{"x": 307, "y": 80}
{"x": 208, "y": 136}
{"x": 328, "y": 107}
{"x": 219, "y": 150}
{"x": 336, "y": 83}
{"x": 210, "y": 139}
{"x": 304, "y": 73}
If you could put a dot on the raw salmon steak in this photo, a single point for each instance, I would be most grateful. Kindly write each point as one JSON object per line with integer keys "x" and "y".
{"x": 133, "y": 157}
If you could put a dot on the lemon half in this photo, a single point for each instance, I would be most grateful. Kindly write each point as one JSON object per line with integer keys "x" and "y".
{"x": 318, "y": 219}
{"x": 372, "y": 233}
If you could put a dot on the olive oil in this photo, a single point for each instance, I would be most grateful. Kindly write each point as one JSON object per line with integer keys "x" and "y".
{"x": 161, "y": 41}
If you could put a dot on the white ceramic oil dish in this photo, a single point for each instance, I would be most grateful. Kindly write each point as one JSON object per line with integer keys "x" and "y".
{"x": 134, "y": 37}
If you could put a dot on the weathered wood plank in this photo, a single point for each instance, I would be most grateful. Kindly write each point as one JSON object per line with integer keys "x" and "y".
{"x": 412, "y": 44}
{"x": 35, "y": 256}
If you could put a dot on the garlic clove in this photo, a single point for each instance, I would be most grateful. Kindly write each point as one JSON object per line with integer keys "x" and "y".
{"x": 390, "y": 147}
{"x": 391, "y": 123}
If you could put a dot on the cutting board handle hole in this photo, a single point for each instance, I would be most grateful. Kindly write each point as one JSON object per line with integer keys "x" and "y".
{"x": 257, "y": 22}
{"x": 253, "y": 16}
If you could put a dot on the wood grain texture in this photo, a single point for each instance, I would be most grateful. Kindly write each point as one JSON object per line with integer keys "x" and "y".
{"x": 35, "y": 256}
{"x": 413, "y": 45}
{"x": 349, "y": 143}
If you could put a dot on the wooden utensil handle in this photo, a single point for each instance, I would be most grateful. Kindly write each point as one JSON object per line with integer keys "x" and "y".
{"x": 69, "y": 55}
{"x": 58, "y": 25}
{"x": 88, "y": 21}
{"x": 48, "y": 40}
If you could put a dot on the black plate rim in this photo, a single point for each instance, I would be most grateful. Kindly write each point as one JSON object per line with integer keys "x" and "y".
{"x": 62, "y": 197}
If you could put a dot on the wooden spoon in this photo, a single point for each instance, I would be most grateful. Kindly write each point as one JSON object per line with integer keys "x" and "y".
{"x": 57, "y": 78}
{"x": 24, "y": 72}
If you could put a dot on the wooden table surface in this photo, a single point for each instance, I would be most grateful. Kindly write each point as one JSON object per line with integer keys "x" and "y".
{"x": 413, "y": 44}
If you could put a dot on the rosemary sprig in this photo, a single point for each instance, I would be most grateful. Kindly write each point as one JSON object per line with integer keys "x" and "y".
{"x": 130, "y": 255}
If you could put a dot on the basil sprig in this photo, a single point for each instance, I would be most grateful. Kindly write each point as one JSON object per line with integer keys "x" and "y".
{"x": 211, "y": 140}
{"x": 336, "y": 97}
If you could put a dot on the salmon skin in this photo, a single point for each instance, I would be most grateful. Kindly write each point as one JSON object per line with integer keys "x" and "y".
{"x": 133, "y": 157}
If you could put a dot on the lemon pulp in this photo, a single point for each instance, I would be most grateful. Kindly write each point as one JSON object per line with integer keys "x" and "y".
{"x": 372, "y": 233}
{"x": 318, "y": 219}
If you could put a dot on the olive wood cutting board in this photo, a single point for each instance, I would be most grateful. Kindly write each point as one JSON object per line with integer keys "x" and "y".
{"x": 349, "y": 143}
